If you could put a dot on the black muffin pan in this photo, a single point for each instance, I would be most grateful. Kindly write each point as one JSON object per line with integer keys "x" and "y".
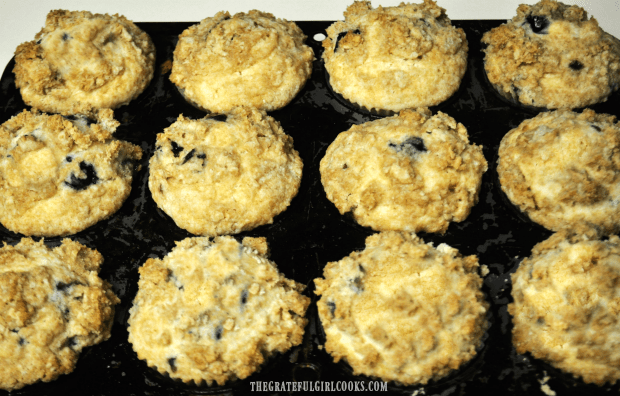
{"x": 309, "y": 234}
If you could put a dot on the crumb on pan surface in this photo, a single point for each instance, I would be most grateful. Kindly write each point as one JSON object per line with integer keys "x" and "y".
{"x": 393, "y": 58}
{"x": 58, "y": 176}
{"x": 215, "y": 310}
{"x": 223, "y": 177}
{"x": 402, "y": 310}
{"x": 52, "y": 305}
{"x": 551, "y": 55}
{"x": 251, "y": 59}
{"x": 412, "y": 172}
{"x": 81, "y": 62}
{"x": 566, "y": 304}
{"x": 563, "y": 170}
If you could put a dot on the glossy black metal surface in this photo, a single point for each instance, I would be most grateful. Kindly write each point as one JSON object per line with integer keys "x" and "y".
{"x": 309, "y": 234}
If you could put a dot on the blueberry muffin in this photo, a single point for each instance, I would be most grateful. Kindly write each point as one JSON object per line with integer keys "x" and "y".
{"x": 248, "y": 59}
{"x": 563, "y": 170}
{"x": 402, "y": 310}
{"x": 60, "y": 176}
{"x": 395, "y": 58}
{"x": 81, "y": 62}
{"x": 215, "y": 310}
{"x": 52, "y": 305}
{"x": 412, "y": 172}
{"x": 551, "y": 55}
{"x": 566, "y": 304}
{"x": 223, "y": 177}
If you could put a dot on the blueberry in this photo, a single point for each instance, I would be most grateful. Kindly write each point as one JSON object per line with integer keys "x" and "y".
{"x": 176, "y": 149}
{"x": 341, "y": 35}
{"x": 218, "y": 333}
{"x": 202, "y": 156}
{"x": 89, "y": 179}
{"x": 39, "y": 41}
{"x": 410, "y": 147}
{"x": 244, "y": 297}
{"x": 189, "y": 156}
{"x": 538, "y": 23}
{"x": 332, "y": 307}
{"x": 69, "y": 158}
{"x": 576, "y": 65}
{"x": 21, "y": 341}
{"x": 172, "y": 363}
{"x": 65, "y": 37}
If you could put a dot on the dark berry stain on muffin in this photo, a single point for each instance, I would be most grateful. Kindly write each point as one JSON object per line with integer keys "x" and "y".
{"x": 538, "y": 23}
{"x": 356, "y": 285}
{"x": 218, "y": 333}
{"x": 21, "y": 341}
{"x": 410, "y": 147}
{"x": 202, "y": 156}
{"x": 332, "y": 307}
{"x": 176, "y": 149}
{"x": 70, "y": 342}
{"x": 361, "y": 268}
{"x": 65, "y": 37}
{"x": 90, "y": 177}
{"x": 189, "y": 156}
{"x": 576, "y": 65}
{"x": 69, "y": 158}
{"x": 172, "y": 364}
{"x": 341, "y": 36}
{"x": 63, "y": 287}
{"x": 597, "y": 128}
{"x": 244, "y": 297}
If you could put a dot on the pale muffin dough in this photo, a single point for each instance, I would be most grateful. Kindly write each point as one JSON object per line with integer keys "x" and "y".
{"x": 81, "y": 62}
{"x": 223, "y": 177}
{"x": 248, "y": 59}
{"x": 52, "y": 305}
{"x": 566, "y": 305}
{"x": 551, "y": 55}
{"x": 402, "y": 310}
{"x": 563, "y": 170}
{"x": 410, "y": 172}
{"x": 57, "y": 176}
{"x": 215, "y": 311}
{"x": 395, "y": 58}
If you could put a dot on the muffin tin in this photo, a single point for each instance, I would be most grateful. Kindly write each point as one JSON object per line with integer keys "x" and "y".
{"x": 309, "y": 234}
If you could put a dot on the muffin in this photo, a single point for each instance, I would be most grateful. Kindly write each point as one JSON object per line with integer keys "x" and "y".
{"x": 411, "y": 172}
{"x": 214, "y": 310}
{"x": 566, "y": 304}
{"x": 552, "y": 56}
{"x": 395, "y": 58}
{"x": 60, "y": 176}
{"x": 82, "y": 62}
{"x": 248, "y": 59}
{"x": 223, "y": 177}
{"x": 563, "y": 170}
{"x": 402, "y": 310}
{"x": 52, "y": 305}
